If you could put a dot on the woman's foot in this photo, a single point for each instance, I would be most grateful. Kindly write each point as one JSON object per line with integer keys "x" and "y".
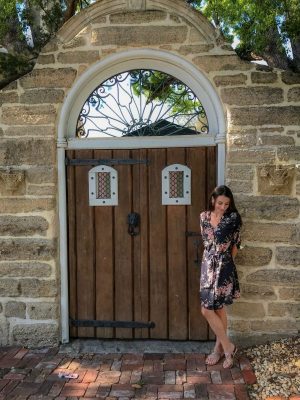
{"x": 229, "y": 358}
{"x": 214, "y": 357}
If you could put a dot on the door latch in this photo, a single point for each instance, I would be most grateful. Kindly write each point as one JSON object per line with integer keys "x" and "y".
{"x": 133, "y": 220}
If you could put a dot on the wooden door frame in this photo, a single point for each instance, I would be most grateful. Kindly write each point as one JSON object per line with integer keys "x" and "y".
{"x": 137, "y": 58}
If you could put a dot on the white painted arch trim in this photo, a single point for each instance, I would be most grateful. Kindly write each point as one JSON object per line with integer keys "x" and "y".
{"x": 119, "y": 62}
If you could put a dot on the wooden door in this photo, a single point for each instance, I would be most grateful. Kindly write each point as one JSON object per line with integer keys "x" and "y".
{"x": 152, "y": 276}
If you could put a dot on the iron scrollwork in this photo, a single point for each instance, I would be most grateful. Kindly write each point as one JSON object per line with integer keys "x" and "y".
{"x": 141, "y": 103}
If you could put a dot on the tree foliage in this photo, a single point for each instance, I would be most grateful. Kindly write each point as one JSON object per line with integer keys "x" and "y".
{"x": 25, "y": 27}
{"x": 266, "y": 29}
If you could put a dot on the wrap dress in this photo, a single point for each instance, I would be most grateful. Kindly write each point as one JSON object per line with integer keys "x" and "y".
{"x": 219, "y": 283}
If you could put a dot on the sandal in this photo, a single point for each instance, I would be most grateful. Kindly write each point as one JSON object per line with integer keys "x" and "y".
{"x": 213, "y": 358}
{"x": 229, "y": 358}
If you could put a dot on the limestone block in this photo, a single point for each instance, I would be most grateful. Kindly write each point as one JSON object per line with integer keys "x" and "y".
{"x": 45, "y": 59}
{"x": 288, "y": 255}
{"x": 22, "y": 226}
{"x": 35, "y": 335}
{"x": 28, "y": 115}
{"x": 257, "y": 292}
{"x": 274, "y": 208}
{"x": 230, "y": 80}
{"x": 221, "y": 63}
{"x": 15, "y": 309}
{"x": 247, "y": 310}
{"x": 25, "y": 269}
{"x": 268, "y": 232}
{"x": 11, "y": 86}
{"x": 240, "y": 186}
{"x": 31, "y": 287}
{"x": 38, "y": 175}
{"x": 1, "y": 132}
{"x": 243, "y": 172}
{"x": 78, "y": 57}
{"x": 284, "y": 310}
{"x": 49, "y": 78}
{"x": 272, "y": 129}
{"x": 42, "y": 310}
{"x": 275, "y": 179}
{"x": 286, "y": 326}
{"x": 195, "y": 48}
{"x": 51, "y": 46}
{"x": 239, "y": 325}
{"x": 138, "y": 35}
{"x": 294, "y": 94}
{"x": 8, "y": 97}
{"x": 27, "y": 151}
{"x": 288, "y": 115}
{"x": 77, "y": 41}
{"x": 27, "y": 249}
{"x": 15, "y": 205}
{"x": 1, "y": 308}
{"x": 289, "y": 294}
{"x": 196, "y": 36}
{"x": 289, "y": 153}
{"x": 136, "y": 4}
{"x": 41, "y": 190}
{"x": 40, "y": 96}
{"x": 290, "y": 78}
{"x": 241, "y": 140}
{"x": 243, "y": 96}
{"x": 131, "y": 18}
{"x": 251, "y": 156}
{"x": 275, "y": 140}
{"x": 279, "y": 277}
{"x": 4, "y": 332}
{"x": 10, "y": 288}
{"x": 12, "y": 182}
{"x": 254, "y": 256}
{"x": 264, "y": 77}
{"x": 30, "y": 130}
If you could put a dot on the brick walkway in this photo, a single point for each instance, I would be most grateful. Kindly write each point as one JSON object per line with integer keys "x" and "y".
{"x": 34, "y": 374}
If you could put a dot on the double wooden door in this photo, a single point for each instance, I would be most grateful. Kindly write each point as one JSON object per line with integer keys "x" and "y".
{"x": 152, "y": 276}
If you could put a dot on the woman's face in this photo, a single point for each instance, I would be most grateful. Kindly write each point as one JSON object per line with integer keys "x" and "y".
{"x": 221, "y": 203}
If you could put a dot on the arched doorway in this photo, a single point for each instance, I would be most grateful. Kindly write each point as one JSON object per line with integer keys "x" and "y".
{"x": 110, "y": 275}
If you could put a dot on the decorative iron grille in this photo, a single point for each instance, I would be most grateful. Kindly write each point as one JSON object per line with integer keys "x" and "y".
{"x": 176, "y": 184}
{"x": 103, "y": 187}
{"x": 142, "y": 103}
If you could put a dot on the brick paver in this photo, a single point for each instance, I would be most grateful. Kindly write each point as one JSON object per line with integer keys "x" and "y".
{"x": 32, "y": 374}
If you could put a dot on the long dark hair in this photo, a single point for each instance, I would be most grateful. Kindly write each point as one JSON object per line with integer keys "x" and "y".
{"x": 222, "y": 191}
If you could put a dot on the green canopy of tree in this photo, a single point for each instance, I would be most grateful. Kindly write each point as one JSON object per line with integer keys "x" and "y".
{"x": 266, "y": 29}
{"x": 25, "y": 27}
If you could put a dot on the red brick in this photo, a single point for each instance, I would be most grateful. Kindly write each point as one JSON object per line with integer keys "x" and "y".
{"x": 170, "y": 388}
{"x": 216, "y": 377}
{"x": 198, "y": 377}
{"x": 241, "y": 392}
{"x": 215, "y": 391}
{"x": 295, "y": 397}
{"x": 125, "y": 377}
{"x": 56, "y": 388}
{"x": 3, "y": 382}
{"x": 237, "y": 376}
{"x": 180, "y": 377}
{"x": 122, "y": 391}
{"x": 189, "y": 391}
{"x": 74, "y": 389}
{"x": 201, "y": 390}
{"x": 108, "y": 377}
{"x": 226, "y": 377}
{"x": 275, "y": 398}
{"x": 173, "y": 365}
{"x": 245, "y": 363}
{"x": 90, "y": 376}
{"x": 249, "y": 377}
{"x": 21, "y": 353}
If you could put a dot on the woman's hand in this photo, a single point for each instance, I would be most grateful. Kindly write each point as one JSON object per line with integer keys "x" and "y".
{"x": 234, "y": 251}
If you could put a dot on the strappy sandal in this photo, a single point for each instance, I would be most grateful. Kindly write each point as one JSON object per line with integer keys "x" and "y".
{"x": 229, "y": 358}
{"x": 213, "y": 358}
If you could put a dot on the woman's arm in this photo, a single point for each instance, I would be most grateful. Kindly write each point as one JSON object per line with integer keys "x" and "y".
{"x": 234, "y": 251}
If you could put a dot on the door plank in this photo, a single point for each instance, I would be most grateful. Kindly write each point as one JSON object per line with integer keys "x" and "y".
{"x": 176, "y": 250}
{"x": 196, "y": 159}
{"x": 123, "y": 247}
{"x": 72, "y": 266}
{"x": 157, "y": 247}
{"x": 104, "y": 264}
{"x": 85, "y": 246}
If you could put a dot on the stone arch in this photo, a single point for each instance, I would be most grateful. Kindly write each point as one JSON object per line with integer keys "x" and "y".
{"x": 108, "y": 7}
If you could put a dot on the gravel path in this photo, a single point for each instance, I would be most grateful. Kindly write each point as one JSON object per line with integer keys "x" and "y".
{"x": 277, "y": 368}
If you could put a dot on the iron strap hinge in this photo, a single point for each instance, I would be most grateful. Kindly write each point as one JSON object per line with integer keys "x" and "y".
{"x": 110, "y": 324}
{"x": 103, "y": 161}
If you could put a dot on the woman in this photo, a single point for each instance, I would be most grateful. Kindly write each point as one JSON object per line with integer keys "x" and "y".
{"x": 220, "y": 229}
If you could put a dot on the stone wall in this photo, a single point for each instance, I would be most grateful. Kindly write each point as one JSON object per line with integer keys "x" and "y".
{"x": 262, "y": 109}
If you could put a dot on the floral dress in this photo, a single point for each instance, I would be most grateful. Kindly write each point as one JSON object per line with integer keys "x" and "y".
{"x": 219, "y": 283}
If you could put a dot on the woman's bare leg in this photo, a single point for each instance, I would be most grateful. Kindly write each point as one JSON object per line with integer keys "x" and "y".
{"x": 216, "y": 323}
{"x": 223, "y": 316}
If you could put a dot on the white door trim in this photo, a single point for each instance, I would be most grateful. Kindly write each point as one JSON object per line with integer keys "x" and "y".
{"x": 119, "y": 62}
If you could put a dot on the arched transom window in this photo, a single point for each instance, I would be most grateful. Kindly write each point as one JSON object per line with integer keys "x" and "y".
{"x": 141, "y": 102}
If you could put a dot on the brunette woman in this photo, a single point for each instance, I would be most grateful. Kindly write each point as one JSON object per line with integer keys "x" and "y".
{"x": 219, "y": 286}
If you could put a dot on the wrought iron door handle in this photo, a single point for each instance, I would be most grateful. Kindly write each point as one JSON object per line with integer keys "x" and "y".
{"x": 133, "y": 220}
